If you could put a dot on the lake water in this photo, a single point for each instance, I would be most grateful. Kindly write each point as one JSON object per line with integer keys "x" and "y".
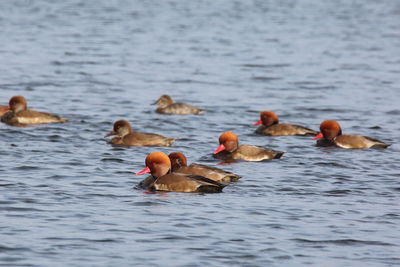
{"x": 68, "y": 198}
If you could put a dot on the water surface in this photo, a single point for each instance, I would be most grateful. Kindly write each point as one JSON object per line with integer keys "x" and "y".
{"x": 67, "y": 197}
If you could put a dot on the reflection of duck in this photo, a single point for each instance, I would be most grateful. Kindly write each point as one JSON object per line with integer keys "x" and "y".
{"x": 229, "y": 149}
{"x": 167, "y": 106}
{"x": 159, "y": 165}
{"x": 332, "y": 135}
{"x": 271, "y": 126}
{"x": 126, "y": 136}
{"x": 179, "y": 165}
{"x": 18, "y": 114}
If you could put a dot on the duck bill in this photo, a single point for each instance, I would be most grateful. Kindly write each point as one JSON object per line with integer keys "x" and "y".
{"x": 318, "y": 136}
{"x": 145, "y": 170}
{"x": 219, "y": 149}
{"x": 257, "y": 123}
{"x": 110, "y": 133}
{"x": 4, "y": 109}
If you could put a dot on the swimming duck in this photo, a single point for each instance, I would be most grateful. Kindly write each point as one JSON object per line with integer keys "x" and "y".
{"x": 179, "y": 164}
{"x": 331, "y": 134}
{"x": 271, "y": 126}
{"x": 126, "y": 136}
{"x": 167, "y": 106}
{"x": 19, "y": 115}
{"x": 159, "y": 165}
{"x": 229, "y": 149}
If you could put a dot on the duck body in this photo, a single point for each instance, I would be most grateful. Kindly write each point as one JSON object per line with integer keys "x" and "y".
{"x": 19, "y": 115}
{"x": 142, "y": 139}
{"x": 331, "y": 135}
{"x": 186, "y": 183}
{"x": 249, "y": 153}
{"x": 353, "y": 141}
{"x": 212, "y": 173}
{"x": 284, "y": 129}
{"x": 126, "y": 136}
{"x": 167, "y": 106}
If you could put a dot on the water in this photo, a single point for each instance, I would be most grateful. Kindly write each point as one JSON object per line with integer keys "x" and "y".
{"x": 67, "y": 196}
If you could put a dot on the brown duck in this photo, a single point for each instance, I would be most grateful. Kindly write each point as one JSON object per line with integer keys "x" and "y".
{"x": 229, "y": 149}
{"x": 331, "y": 134}
{"x": 19, "y": 115}
{"x": 167, "y": 106}
{"x": 126, "y": 136}
{"x": 271, "y": 126}
{"x": 162, "y": 179}
{"x": 179, "y": 165}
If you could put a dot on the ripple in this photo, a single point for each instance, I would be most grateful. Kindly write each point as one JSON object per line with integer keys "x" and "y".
{"x": 343, "y": 242}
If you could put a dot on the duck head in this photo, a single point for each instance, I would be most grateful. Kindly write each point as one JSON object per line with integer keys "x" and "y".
{"x": 267, "y": 118}
{"x": 330, "y": 129}
{"x": 121, "y": 128}
{"x": 157, "y": 163}
{"x": 228, "y": 141}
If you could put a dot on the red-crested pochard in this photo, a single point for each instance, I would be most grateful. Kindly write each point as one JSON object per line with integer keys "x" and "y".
{"x": 332, "y": 135}
{"x": 162, "y": 179}
{"x": 126, "y": 136}
{"x": 167, "y": 106}
{"x": 229, "y": 149}
{"x": 19, "y": 115}
{"x": 271, "y": 126}
{"x": 179, "y": 165}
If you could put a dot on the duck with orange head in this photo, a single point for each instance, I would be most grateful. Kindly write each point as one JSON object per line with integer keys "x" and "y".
{"x": 163, "y": 179}
{"x": 271, "y": 126}
{"x": 331, "y": 135}
{"x": 229, "y": 149}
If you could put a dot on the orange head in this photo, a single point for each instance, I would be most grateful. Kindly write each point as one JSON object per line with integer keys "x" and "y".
{"x": 157, "y": 163}
{"x": 17, "y": 103}
{"x": 267, "y": 118}
{"x": 330, "y": 129}
{"x": 121, "y": 128}
{"x": 177, "y": 160}
{"x": 228, "y": 141}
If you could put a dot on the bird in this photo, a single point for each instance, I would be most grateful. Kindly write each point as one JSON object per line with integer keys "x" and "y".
{"x": 167, "y": 106}
{"x": 229, "y": 149}
{"x": 162, "y": 179}
{"x": 179, "y": 165}
{"x": 331, "y": 135}
{"x": 19, "y": 115}
{"x": 271, "y": 126}
{"x": 126, "y": 136}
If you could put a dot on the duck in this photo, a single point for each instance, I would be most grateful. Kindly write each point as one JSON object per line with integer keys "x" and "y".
{"x": 126, "y": 136}
{"x": 163, "y": 179}
{"x": 19, "y": 115}
{"x": 229, "y": 149}
{"x": 179, "y": 165}
{"x": 331, "y": 135}
{"x": 167, "y": 106}
{"x": 271, "y": 126}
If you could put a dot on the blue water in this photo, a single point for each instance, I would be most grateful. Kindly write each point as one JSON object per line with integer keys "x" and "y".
{"x": 67, "y": 197}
